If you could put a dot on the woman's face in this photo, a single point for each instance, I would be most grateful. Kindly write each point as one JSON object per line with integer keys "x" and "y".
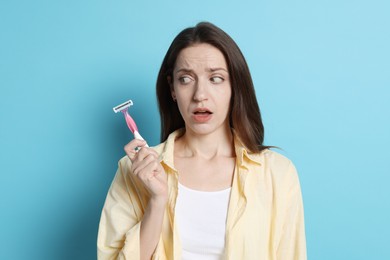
{"x": 202, "y": 88}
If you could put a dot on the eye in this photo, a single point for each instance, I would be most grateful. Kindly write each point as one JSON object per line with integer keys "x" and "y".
{"x": 185, "y": 80}
{"x": 216, "y": 79}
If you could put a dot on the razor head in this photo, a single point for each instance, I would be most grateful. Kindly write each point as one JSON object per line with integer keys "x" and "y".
{"x": 123, "y": 106}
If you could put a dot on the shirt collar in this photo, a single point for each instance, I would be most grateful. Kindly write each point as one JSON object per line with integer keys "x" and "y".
{"x": 243, "y": 155}
{"x": 167, "y": 153}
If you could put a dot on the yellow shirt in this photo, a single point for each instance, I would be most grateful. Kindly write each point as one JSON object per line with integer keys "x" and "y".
{"x": 265, "y": 215}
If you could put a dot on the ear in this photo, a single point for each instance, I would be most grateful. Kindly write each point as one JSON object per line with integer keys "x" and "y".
{"x": 173, "y": 95}
{"x": 169, "y": 79}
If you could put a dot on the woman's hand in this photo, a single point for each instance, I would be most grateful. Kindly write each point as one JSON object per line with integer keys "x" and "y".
{"x": 146, "y": 166}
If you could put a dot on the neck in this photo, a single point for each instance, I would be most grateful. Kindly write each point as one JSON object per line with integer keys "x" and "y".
{"x": 208, "y": 146}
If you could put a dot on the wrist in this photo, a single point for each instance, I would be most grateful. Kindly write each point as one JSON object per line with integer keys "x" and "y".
{"x": 158, "y": 202}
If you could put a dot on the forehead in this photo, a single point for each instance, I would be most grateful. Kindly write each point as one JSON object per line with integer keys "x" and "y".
{"x": 200, "y": 55}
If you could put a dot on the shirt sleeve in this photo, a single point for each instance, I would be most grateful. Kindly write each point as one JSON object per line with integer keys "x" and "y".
{"x": 292, "y": 244}
{"x": 120, "y": 222}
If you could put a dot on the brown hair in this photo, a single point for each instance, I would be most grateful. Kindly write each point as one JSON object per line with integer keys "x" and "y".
{"x": 244, "y": 116}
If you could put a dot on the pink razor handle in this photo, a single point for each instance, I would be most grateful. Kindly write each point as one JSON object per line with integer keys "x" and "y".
{"x": 132, "y": 125}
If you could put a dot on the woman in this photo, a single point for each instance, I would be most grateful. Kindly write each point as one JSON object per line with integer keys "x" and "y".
{"x": 211, "y": 190}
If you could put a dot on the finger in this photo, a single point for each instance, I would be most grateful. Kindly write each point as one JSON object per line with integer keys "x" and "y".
{"x": 139, "y": 165}
{"x": 150, "y": 171}
{"x": 131, "y": 147}
{"x": 133, "y": 144}
{"x": 144, "y": 152}
{"x": 151, "y": 150}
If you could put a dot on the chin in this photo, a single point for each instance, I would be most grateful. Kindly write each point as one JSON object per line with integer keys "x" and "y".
{"x": 204, "y": 129}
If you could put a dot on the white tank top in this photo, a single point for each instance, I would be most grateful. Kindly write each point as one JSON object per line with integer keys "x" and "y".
{"x": 201, "y": 219}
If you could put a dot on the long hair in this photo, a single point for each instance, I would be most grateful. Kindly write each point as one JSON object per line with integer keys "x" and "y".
{"x": 244, "y": 115}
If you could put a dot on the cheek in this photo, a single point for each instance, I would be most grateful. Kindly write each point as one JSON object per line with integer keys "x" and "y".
{"x": 183, "y": 96}
{"x": 181, "y": 105}
{"x": 228, "y": 101}
{"x": 227, "y": 96}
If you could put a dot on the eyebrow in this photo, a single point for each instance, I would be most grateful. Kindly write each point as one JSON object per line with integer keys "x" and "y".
{"x": 209, "y": 69}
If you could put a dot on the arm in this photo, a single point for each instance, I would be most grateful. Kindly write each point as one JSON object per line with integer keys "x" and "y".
{"x": 151, "y": 228}
{"x": 119, "y": 227}
{"x": 292, "y": 244}
{"x": 128, "y": 230}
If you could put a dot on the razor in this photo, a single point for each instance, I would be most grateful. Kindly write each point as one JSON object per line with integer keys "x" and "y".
{"x": 124, "y": 107}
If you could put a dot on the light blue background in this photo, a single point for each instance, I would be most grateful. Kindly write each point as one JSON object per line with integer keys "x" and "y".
{"x": 322, "y": 75}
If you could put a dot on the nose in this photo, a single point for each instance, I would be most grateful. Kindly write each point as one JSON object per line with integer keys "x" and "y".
{"x": 200, "y": 93}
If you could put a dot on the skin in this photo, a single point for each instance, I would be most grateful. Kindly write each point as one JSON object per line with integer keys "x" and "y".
{"x": 200, "y": 83}
{"x": 201, "y": 80}
{"x": 147, "y": 168}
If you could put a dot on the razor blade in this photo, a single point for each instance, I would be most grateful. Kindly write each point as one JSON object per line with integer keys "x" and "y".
{"x": 123, "y": 106}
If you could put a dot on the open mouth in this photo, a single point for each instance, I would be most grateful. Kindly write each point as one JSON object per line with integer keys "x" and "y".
{"x": 200, "y": 112}
{"x": 202, "y": 115}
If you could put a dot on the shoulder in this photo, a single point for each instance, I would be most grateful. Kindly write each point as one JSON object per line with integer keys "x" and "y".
{"x": 278, "y": 166}
{"x": 275, "y": 160}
